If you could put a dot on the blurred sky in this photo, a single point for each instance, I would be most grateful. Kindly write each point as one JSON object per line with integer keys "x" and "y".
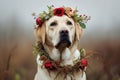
{"x": 16, "y": 19}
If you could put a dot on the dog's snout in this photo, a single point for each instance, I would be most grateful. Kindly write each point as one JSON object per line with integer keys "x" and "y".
{"x": 64, "y": 32}
{"x": 64, "y": 39}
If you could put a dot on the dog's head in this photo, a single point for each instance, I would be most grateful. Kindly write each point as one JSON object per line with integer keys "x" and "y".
{"x": 59, "y": 31}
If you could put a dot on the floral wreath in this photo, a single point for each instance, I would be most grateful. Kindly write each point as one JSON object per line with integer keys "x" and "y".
{"x": 72, "y": 13}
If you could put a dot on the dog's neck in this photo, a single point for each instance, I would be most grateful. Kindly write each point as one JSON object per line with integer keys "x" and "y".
{"x": 66, "y": 56}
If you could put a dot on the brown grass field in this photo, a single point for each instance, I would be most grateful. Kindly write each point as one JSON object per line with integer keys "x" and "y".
{"x": 18, "y": 63}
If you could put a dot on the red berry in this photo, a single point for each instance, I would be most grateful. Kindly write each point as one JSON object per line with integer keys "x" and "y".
{"x": 52, "y": 5}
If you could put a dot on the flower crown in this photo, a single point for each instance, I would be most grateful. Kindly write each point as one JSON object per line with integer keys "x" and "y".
{"x": 72, "y": 13}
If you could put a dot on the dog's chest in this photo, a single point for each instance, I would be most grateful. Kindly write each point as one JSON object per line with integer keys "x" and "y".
{"x": 68, "y": 58}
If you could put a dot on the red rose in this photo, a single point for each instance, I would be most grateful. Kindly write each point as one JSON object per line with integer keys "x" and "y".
{"x": 84, "y": 62}
{"x": 48, "y": 65}
{"x": 38, "y": 21}
{"x": 59, "y": 11}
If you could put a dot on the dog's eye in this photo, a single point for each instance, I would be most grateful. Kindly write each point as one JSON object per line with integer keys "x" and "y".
{"x": 69, "y": 23}
{"x": 53, "y": 24}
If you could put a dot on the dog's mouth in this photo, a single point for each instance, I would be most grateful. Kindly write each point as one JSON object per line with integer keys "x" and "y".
{"x": 64, "y": 42}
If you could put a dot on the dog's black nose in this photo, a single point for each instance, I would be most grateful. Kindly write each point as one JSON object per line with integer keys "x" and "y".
{"x": 64, "y": 39}
{"x": 64, "y": 32}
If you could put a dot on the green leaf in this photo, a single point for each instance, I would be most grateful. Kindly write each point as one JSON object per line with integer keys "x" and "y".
{"x": 49, "y": 7}
{"x": 47, "y": 17}
{"x": 82, "y": 25}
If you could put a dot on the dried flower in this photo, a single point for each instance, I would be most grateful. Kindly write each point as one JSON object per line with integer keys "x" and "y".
{"x": 69, "y": 11}
{"x": 33, "y": 14}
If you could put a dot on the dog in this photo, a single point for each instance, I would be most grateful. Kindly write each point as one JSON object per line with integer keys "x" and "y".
{"x": 60, "y": 37}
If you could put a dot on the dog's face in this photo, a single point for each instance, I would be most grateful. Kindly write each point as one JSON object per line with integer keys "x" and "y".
{"x": 59, "y": 30}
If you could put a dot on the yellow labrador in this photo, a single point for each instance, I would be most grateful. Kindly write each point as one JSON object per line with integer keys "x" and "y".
{"x": 60, "y": 36}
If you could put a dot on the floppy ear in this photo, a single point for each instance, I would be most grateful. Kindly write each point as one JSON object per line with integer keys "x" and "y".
{"x": 78, "y": 31}
{"x": 40, "y": 33}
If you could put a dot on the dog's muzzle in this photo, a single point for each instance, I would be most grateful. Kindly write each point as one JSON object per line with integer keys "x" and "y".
{"x": 64, "y": 39}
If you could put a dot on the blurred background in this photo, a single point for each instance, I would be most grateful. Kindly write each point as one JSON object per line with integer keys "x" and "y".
{"x": 101, "y": 36}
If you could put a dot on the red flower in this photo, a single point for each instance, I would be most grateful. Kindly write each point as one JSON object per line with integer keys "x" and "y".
{"x": 38, "y": 21}
{"x": 59, "y": 11}
{"x": 48, "y": 65}
{"x": 84, "y": 62}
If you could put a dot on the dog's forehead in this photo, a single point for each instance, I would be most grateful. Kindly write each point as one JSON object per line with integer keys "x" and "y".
{"x": 59, "y": 18}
